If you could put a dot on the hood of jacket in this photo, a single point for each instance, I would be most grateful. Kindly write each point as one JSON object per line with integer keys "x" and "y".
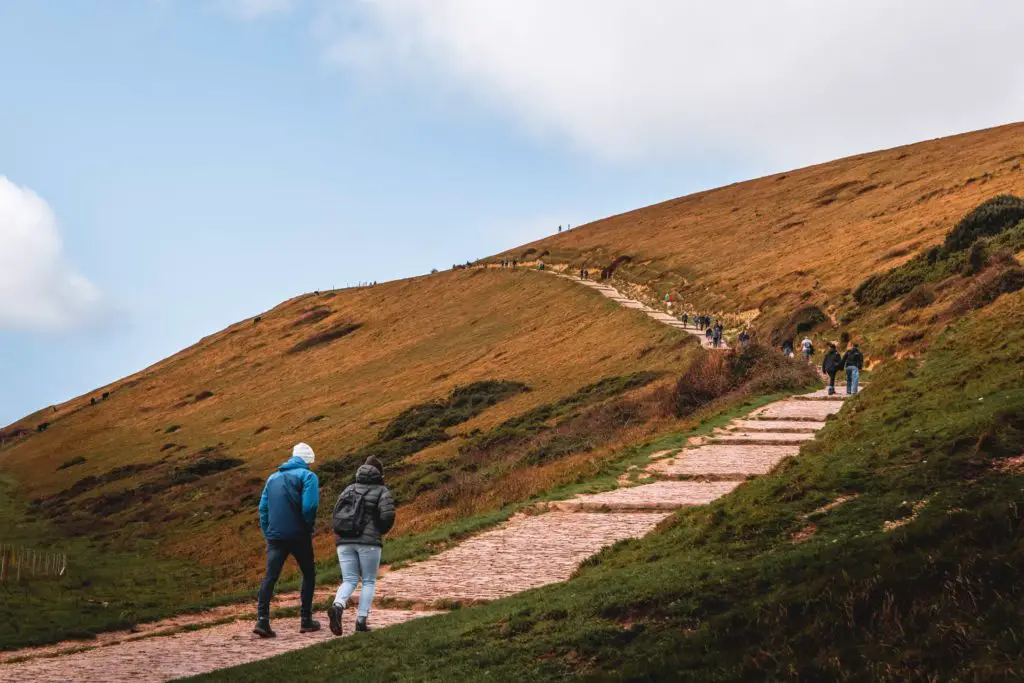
{"x": 293, "y": 463}
{"x": 368, "y": 474}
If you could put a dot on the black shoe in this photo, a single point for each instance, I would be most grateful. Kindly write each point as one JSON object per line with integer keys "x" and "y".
{"x": 334, "y": 614}
{"x": 309, "y": 625}
{"x": 361, "y": 625}
{"x": 262, "y": 628}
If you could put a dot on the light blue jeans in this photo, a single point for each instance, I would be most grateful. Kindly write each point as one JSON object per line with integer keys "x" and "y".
{"x": 358, "y": 561}
{"x": 852, "y": 377}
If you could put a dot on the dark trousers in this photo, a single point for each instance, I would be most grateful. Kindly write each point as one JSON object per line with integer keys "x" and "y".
{"x": 277, "y": 552}
{"x": 832, "y": 381}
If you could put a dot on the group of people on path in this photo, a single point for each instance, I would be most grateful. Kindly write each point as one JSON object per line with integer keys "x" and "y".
{"x": 509, "y": 263}
{"x": 713, "y": 330}
{"x": 362, "y": 515}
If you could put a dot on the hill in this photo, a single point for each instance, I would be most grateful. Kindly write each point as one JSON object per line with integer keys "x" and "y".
{"x": 440, "y": 376}
{"x": 803, "y": 240}
{"x": 483, "y": 389}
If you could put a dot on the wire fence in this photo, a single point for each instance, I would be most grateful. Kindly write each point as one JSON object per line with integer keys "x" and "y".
{"x": 17, "y": 563}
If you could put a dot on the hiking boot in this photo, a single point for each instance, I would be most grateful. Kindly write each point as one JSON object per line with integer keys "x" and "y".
{"x": 334, "y": 614}
{"x": 262, "y": 628}
{"x": 309, "y": 625}
{"x": 361, "y": 625}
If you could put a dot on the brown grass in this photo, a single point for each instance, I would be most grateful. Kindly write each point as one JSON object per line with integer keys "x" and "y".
{"x": 420, "y": 338}
{"x": 737, "y": 247}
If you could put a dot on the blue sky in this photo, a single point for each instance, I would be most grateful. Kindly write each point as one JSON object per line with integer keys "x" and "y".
{"x": 193, "y": 162}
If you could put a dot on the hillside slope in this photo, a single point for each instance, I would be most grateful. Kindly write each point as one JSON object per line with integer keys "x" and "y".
{"x": 802, "y": 238}
{"x": 419, "y": 371}
{"x": 889, "y": 549}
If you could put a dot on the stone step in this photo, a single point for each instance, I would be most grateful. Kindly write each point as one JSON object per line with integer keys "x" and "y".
{"x": 661, "y": 495}
{"x": 798, "y": 410}
{"x": 763, "y": 438}
{"x": 733, "y": 460}
{"x": 777, "y": 426}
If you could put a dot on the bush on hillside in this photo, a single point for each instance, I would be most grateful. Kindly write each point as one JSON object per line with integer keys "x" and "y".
{"x": 990, "y": 218}
{"x": 965, "y": 251}
{"x": 802, "y": 320}
{"x": 988, "y": 287}
{"x": 71, "y": 462}
{"x": 753, "y": 369}
{"x": 921, "y": 296}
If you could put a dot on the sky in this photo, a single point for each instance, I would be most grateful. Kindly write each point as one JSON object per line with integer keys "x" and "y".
{"x": 169, "y": 167}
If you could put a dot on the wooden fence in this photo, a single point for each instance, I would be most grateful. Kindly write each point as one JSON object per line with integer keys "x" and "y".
{"x": 18, "y": 563}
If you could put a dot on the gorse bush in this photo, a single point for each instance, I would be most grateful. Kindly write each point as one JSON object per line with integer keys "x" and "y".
{"x": 994, "y": 224}
{"x": 990, "y": 218}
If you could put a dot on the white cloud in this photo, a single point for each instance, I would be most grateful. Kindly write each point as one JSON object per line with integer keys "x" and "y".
{"x": 38, "y": 290}
{"x": 254, "y": 9}
{"x": 786, "y": 81}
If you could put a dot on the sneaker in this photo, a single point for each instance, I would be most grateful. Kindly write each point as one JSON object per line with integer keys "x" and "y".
{"x": 361, "y": 625}
{"x": 309, "y": 625}
{"x": 263, "y": 630}
{"x": 334, "y": 614}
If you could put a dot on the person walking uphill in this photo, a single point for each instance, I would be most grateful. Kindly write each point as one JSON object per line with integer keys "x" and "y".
{"x": 364, "y": 513}
{"x": 287, "y": 514}
{"x": 853, "y": 362}
{"x": 832, "y": 364}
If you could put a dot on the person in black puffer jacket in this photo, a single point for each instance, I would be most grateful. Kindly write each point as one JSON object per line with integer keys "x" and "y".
{"x": 363, "y": 514}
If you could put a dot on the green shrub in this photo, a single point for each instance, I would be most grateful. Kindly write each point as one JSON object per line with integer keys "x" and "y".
{"x": 990, "y": 218}
{"x": 921, "y": 296}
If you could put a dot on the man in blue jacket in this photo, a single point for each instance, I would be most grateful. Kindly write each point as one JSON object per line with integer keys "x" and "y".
{"x": 287, "y": 514}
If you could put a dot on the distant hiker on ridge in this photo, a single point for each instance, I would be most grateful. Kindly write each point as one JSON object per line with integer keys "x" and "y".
{"x": 853, "y": 361}
{"x": 832, "y": 364}
{"x": 364, "y": 513}
{"x": 807, "y": 348}
{"x": 287, "y": 514}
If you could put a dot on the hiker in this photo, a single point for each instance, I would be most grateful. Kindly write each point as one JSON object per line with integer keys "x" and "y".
{"x": 744, "y": 338}
{"x": 787, "y": 348}
{"x": 287, "y": 514}
{"x": 685, "y": 317}
{"x": 362, "y": 516}
{"x": 853, "y": 361}
{"x": 540, "y": 264}
{"x": 831, "y": 364}
{"x": 708, "y": 334}
{"x": 807, "y": 348}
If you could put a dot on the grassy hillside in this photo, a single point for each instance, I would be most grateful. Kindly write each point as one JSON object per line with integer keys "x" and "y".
{"x": 766, "y": 248}
{"x": 440, "y": 376}
{"x": 889, "y": 549}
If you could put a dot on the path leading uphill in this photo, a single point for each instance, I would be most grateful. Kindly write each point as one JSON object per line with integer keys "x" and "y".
{"x": 528, "y": 551}
{"x": 615, "y": 295}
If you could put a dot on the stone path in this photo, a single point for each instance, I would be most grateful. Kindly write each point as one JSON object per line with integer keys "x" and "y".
{"x": 624, "y": 301}
{"x": 528, "y": 551}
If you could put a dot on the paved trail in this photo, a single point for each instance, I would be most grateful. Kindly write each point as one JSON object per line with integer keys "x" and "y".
{"x": 528, "y": 551}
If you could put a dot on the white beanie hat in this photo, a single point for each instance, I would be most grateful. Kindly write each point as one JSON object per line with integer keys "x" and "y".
{"x": 302, "y": 450}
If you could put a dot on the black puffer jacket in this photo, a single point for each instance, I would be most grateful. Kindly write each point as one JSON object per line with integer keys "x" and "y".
{"x": 833, "y": 362}
{"x": 378, "y": 506}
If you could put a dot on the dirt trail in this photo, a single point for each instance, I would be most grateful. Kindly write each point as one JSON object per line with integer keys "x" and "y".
{"x": 528, "y": 551}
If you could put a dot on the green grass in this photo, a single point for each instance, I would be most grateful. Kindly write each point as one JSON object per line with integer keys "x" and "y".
{"x": 108, "y": 585}
{"x": 723, "y": 593}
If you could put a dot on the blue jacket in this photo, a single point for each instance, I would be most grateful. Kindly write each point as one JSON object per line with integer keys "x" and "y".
{"x": 289, "y": 502}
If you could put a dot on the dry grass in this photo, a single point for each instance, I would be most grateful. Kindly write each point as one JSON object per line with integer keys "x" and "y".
{"x": 419, "y": 339}
{"x": 801, "y": 238}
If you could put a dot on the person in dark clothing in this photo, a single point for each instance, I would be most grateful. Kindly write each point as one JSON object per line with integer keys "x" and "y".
{"x": 686, "y": 319}
{"x": 744, "y": 338}
{"x": 832, "y": 364}
{"x": 787, "y": 348}
{"x": 287, "y": 513}
{"x": 853, "y": 362}
{"x": 359, "y": 551}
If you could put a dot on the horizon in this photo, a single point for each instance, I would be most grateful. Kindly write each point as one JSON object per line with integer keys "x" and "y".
{"x": 173, "y": 167}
